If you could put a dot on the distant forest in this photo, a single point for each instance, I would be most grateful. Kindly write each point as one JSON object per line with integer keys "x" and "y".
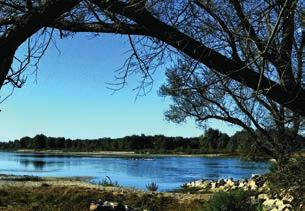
{"x": 213, "y": 141}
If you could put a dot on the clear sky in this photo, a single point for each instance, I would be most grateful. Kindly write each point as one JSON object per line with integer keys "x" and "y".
{"x": 71, "y": 98}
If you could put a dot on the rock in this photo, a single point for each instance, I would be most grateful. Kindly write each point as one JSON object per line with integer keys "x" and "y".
{"x": 252, "y": 185}
{"x": 93, "y": 206}
{"x": 272, "y": 160}
{"x": 206, "y": 184}
{"x": 229, "y": 183}
{"x": 241, "y": 184}
{"x": 287, "y": 199}
{"x": 221, "y": 182}
{"x": 279, "y": 203}
{"x": 197, "y": 183}
{"x": 288, "y": 207}
{"x": 108, "y": 206}
{"x": 193, "y": 184}
{"x": 269, "y": 203}
{"x": 263, "y": 196}
{"x": 283, "y": 208}
{"x": 213, "y": 185}
{"x": 265, "y": 187}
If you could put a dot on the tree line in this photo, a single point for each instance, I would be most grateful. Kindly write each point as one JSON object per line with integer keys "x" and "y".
{"x": 213, "y": 141}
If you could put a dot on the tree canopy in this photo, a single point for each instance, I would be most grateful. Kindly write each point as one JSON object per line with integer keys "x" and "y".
{"x": 229, "y": 37}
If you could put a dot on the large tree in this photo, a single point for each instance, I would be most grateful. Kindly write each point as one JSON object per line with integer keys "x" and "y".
{"x": 229, "y": 37}
{"x": 206, "y": 95}
{"x": 236, "y": 61}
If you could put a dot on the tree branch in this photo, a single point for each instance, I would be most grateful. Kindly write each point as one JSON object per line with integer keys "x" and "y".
{"x": 293, "y": 99}
{"x": 131, "y": 29}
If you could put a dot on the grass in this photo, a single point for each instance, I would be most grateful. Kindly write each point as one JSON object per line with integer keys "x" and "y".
{"x": 20, "y": 178}
{"x": 51, "y": 197}
{"x": 107, "y": 182}
{"x": 190, "y": 190}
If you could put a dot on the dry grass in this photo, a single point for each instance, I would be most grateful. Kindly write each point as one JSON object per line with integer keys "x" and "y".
{"x": 76, "y": 195}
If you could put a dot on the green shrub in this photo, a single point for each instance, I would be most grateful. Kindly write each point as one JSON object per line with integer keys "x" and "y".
{"x": 235, "y": 200}
{"x": 290, "y": 177}
{"x": 108, "y": 182}
{"x": 152, "y": 187}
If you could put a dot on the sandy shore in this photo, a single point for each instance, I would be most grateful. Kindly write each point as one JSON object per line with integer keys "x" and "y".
{"x": 113, "y": 153}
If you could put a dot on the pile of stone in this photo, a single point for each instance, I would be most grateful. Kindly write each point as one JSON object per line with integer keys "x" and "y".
{"x": 273, "y": 203}
{"x": 257, "y": 184}
{"x": 108, "y": 206}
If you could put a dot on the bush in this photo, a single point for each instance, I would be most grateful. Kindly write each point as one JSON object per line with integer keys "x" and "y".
{"x": 235, "y": 200}
{"x": 108, "y": 182}
{"x": 152, "y": 187}
{"x": 290, "y": 177}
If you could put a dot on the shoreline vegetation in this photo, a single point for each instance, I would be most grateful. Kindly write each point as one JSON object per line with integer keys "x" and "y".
{"x": 212, "y": 143}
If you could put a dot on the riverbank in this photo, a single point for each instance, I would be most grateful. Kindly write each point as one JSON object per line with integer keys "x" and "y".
{"x": 118, "y": 153}
{"x": 51, "y": 193}
{"x": 35, "y": 193}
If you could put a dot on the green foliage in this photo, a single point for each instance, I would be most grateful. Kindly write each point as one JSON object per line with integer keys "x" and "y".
{"x": 39, "y": 141}
{"x": 152, "y": 187}
{"x": 289, "y": 177}
{"x": 235, "y": 200}
{"x": 190, "y": 190}
{"x": 108, "y": 182}
{"x": 247, "y": 147}
{"x": 213, "y": 141}
{"x": 209, "y": 143}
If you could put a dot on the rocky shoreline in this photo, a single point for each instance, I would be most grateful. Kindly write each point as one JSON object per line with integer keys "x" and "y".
{"x": 258, "y": 185}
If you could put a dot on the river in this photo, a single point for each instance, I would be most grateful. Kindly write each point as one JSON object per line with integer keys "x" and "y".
{"x": 167, "y": 171}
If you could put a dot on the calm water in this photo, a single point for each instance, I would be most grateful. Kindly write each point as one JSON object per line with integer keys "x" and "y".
{"x": 168, "y": 172}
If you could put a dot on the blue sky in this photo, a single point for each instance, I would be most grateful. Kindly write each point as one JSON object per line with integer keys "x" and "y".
{"x": 71, "y": 98}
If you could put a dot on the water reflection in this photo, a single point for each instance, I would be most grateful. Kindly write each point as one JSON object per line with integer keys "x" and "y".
{"x": 169, "y": 172}
{"x": 37, "y": 164}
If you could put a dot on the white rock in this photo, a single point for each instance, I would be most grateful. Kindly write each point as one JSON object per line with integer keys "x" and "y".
{"x": 269, "y": 203}
{"x": 288, "y": 198}
{"x": 252, "y": 185}
{"x": 263, "y": 196}
{"x": 213, "y": 185}
{"x": 229, "y": 183}
{"x": 113, "y": 204}
{"x": 205, "y": 184}
{"x": 282, "y": 208}
{"x": 279, "y": 203}
{"x": 241, "y": 184}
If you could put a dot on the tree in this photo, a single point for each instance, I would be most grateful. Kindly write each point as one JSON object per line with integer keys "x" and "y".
{"x": 39, "y": 141}
{"x": 203, "y": 96}
{"x": 228, "y": 37}
{"x": 236, "y": 61}
{"x": 24, "y": 142}
{"x": 214, "y": 140}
